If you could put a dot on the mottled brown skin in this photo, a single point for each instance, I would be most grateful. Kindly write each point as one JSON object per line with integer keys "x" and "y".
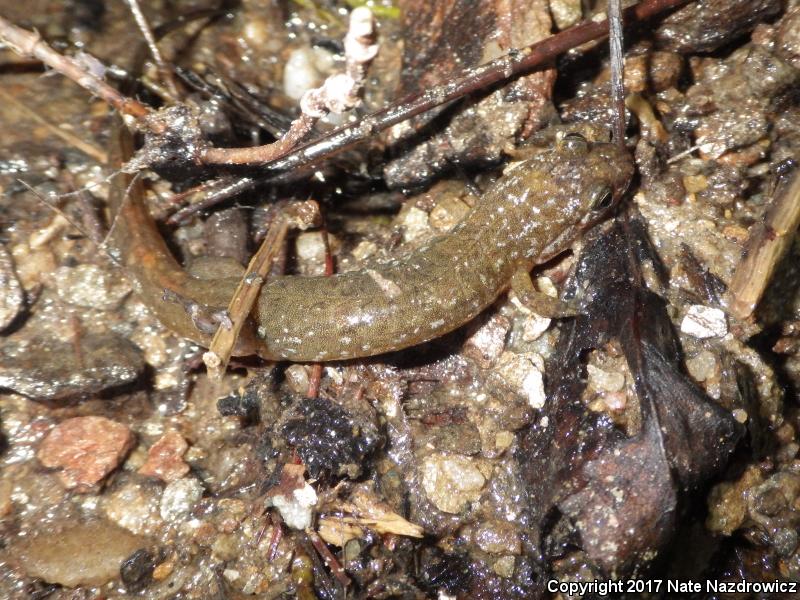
{"x": 530, "y": 214}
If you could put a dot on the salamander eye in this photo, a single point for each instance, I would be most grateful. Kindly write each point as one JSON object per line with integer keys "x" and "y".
{"x": 602, "y": 200}
{"x": 575, "y": 142}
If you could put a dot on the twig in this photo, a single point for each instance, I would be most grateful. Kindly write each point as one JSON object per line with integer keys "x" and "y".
{"x": 337, "y": 94}
{"x": 616, "y": 43}
{"x": 30, "y": 44}
{"x": 55, "y": 209}
{"x": 514, "y": 63}
{"x": 299, "y": 128}
{"x": 300, "y": 215}
{"x": 245, "y": 296}
{"x": 329, "y": 558}
{"x": 166, "y": 72}
{"x": 766, "y": 245}
{"x": 211, "y": 193}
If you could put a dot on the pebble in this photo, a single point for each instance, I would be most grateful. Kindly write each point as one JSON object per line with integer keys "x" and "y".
{"x": 448, "y": 213}
{"x": 486, "y": 345}
{"x": 451, "y": 482}
{"x": 12, "y": 296}
{"x": 605, "y": 381}
{"x": 297, "y": 508}
{"x": 87, "y": 554}
{"x": 179, "y": 498}
{"x": 704, "y": 322}
{"x": 504, "y": 566}
{"x": 135, "y": 507}
{"x": 702, "y": 366}
{"x": 165, "y": 458}
{"x": 46, "y": 369}
{"x": 86, "y": 449}
{"x": 297, "y": 378}
{"x": 305, "y": 69}
{"x": 91, "y": 287}
{"x": 414, "y": 222}
{"x": 523, "y": 374}
{"x": 310, "y": 252}
{"x": 565, "y": 12}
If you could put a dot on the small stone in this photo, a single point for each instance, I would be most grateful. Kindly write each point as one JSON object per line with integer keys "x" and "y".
{"x": 503, "y": 440}
{"x": 136, "y": 571}
{"x": 702, "y": 366}
{"x": 165, "y": 458}
{"x": 451, "y": 481}
{"x": 565, "y": 12}
{"x": 86, "y": 554}
{"x": 135, "y": 507}
{"x": 45, "y": 369}
{"x": 523, "y": 374}
{"x": 534, "y": 326}
{"x": 179, "y": 498}
{"x": 605, "y": 381}
{"x": 695, "y": 183}
{"x": 448, "y": 213}
{"x": 704, "y": 322}
{"x": 91, "y": 286}
{"x": 414, "y": 222}
{"x": 364, "y": 250}
{"x": 504, "y": 566}
{"x": 165, "y": 569}
{"x": 310, "y": 252}
{"x": 486, "y": 345}
{"x": 297, "y": 378}
{"x": 86, "y": 449}
{"x": 297, "y": 508}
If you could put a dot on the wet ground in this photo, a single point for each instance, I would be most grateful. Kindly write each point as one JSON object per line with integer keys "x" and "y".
{"x": 650, "y": 435}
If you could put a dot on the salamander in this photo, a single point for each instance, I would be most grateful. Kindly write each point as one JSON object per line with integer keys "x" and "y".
{"x": 533, "y": 212}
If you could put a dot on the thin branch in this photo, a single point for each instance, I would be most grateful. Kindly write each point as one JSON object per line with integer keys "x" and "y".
{"x": 300, "y": 215}
{"x": 616, "y": 42}
{"x": 165, "y": 70}
{"x": 300, "y": 127}
{"x": 337, "y": 94}
{"x": 30, "y": 44}
{"x": 243, "y": 300}
{"x": 514, "y": 63}
{"x": 766, "y": 245}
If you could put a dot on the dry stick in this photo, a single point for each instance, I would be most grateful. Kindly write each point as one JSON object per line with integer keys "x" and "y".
{"x": 73, "y": 140}
{"x": 329, "y": 558}
{"x": 617, "y": 70}
{"x": 164, "y": 69}
{"x": 31, "y": 44}
{"x": 505, "y": 67}
{"x": 337, "y": 94}
{"x": 299, "y": 128}
{"x": 244, "y": 298}
{"x": 211, "y": 193}
{"x": 766, "y": 245}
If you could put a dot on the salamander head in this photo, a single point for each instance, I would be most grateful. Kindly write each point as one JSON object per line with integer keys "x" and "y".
{"x": 606, "y": 172}
{"x": 587, "y": 179}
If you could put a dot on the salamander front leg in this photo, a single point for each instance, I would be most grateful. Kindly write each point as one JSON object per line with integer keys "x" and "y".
{"x": 537, "y": 301}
